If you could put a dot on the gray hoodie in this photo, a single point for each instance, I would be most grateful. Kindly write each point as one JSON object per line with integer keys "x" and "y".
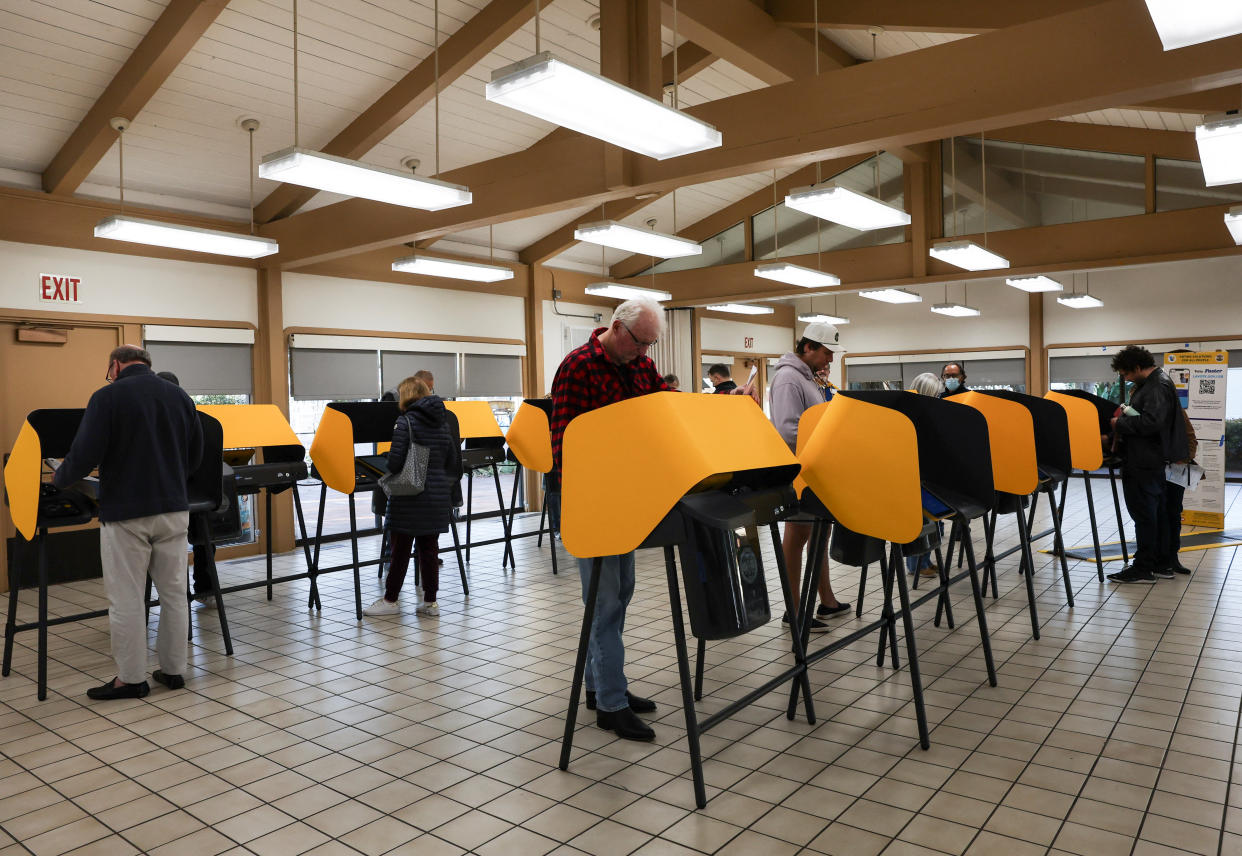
{"x": 793, "y": 391}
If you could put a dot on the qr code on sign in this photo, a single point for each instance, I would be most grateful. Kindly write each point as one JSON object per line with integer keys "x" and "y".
{"x": 1207, "y": 387}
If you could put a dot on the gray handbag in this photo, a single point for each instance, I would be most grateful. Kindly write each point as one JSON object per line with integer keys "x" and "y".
{"x": 413, "y": 476}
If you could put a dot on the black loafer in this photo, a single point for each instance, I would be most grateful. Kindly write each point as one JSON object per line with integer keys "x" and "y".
{"x": 625, "y": 723}
{"x": 110, "y": 691}
{"x": 637, "y": 703}
{"x": 173, "y": 682}
{"x": 842, "y": 608}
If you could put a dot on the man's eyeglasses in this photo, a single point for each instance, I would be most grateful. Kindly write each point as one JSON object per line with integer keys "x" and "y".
{"x": 108, "y": 374}
{"x": 638, "y": 341}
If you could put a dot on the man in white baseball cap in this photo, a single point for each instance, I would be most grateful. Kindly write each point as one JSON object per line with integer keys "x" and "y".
{"x": 793, "y": 391}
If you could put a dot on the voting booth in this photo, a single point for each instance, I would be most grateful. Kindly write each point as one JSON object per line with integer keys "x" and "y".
{"x": 530, "y": 445}
{"x": 702, "y": 504}
{"x": 1086, "y": 455}
{"x": 1104, "y": 411}
{"x": 483, "y": 447}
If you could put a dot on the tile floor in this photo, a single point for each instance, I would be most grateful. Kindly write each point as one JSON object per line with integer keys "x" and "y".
{"x": 1115, "y": 733}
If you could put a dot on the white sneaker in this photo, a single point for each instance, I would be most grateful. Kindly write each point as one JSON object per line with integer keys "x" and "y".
{"x": 432, "y": 609}
{"x": 382, "y": 607}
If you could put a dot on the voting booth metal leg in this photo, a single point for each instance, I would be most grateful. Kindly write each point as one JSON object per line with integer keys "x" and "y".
{"x": 507, "y": 556}
{"x": 42, "y": 614}
{"x": 10, "y": 623}
{"x": 1028, "y": 561}
{"x": 584, "y": 641}
{"x": 912, "y": 654}
{"x": 543, "y": 515}
{"x": 267, "y": 517}
{"x": 683, "y": 669}
{"x": 888, "y": 632}
{"x": 517, "y": 480}
{"x": 1095, "y": 531}
{"x": 469, "y": 508}
{"x": 312, "y": 567}
{"x": 461, "y": 566}
{"x": 942, "y": 602}
{"x": 1121, "y": 526}
{"x": 989, "y": 558}
{"x": 353, "y": 550}
{"x": 862, "y": 587}
{"x": 795, "y": 636}
{"x": 961, "y": 530}
{"x": 204, "y": 535}
{"x": 1058, "y": 541}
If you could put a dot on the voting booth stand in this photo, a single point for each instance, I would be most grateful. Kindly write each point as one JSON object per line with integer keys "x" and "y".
{"x": 1104, "y": 410}
{"x": 955, "y": 472}
{"x": 37, "y": 507}
{"x": 704, "y": 504}
{"x": 484, "y": 448}
{"x": 860, "y": 478}
{"x": 530, "y": 446}
{"x": 333, "y": 462}
{"x": 1086, "y": 455}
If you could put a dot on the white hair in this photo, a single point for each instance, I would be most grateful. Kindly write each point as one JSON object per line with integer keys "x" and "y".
{"x": 631, "y": 310}
{"x": 927, "y": 384}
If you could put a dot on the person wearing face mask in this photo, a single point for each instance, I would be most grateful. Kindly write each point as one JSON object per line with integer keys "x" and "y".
{"x": 954, "y": 377}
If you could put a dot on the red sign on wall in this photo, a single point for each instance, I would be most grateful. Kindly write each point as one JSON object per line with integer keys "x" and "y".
{"x": 59, "y": 289}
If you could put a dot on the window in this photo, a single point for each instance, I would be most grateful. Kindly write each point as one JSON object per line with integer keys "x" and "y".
{"x": 873, "y": 376}
{"x": 216, "y": 371}
{"x": 1179, "y": 184}
{"x": 723, "y": 248}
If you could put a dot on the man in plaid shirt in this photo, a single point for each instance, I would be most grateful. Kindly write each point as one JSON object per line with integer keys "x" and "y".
{"x": 612, "y": 366}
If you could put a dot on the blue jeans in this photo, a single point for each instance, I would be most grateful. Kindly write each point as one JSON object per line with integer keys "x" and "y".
{"x": 914, "y": 564}
{"x": 1144, "y": 492}
{"x": 605, "y": 665}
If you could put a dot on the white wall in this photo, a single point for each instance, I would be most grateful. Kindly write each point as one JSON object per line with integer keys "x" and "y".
{"x": 351, "y": 304}
{"x": 114, "y": 284}
{"x": 561, "y": 334}
{"x": 730, "y": 337}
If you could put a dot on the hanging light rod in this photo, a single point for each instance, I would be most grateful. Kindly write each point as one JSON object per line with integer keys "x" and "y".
{"x": 647, "y": 242}
{"x": 955, "y": 310}
{"x": 1180, "y": 23}
{"x": 1233, "y": 219}
{"x": 741, "y": 308}
{"x": 1081, "y": 301}
{"x": 1034, "y": 283}
{"x": 803, "y": 277}
{"x": 848, "y": 207}
{"x": 967, "y": 255}
{"x": 625, "y": 292}
{"x": 553, "y": 90}
{"x": 140, "y": 231}
{"x": 451, "y": 269}
{"x": 822, "y": 318}
{"x": 1220, "y": 149}
{"x": 342, "y": 175}
{"x": 891, "y": 295}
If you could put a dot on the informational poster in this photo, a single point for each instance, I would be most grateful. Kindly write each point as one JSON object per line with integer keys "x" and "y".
{"x": 1199, "y": 377}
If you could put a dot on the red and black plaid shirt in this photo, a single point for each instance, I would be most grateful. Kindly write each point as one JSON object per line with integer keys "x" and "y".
{"x": 587, "y": 380}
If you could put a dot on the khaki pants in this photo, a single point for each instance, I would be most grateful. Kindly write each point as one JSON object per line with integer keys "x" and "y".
{"x": 129, "y": 551}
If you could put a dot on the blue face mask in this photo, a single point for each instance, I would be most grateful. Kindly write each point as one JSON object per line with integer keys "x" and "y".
{"x": 951, "y": 384}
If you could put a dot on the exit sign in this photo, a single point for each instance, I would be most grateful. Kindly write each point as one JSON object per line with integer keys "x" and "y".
{"x": 59, "y": 289}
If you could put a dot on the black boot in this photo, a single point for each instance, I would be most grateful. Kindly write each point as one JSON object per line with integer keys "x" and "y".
{"x": 625, "y": 723}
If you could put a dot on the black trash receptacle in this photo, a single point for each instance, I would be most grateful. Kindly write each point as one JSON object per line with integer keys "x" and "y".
{"x": 722, "y": 567}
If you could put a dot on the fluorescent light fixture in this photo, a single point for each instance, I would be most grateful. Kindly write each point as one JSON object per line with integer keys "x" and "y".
{"x": 138, "y": 231}
{"x": 967, "y": 255}
{"x": 1220, "y": 150}
{"x": 1189, "y": 22}
{"x": 625, "y": 292}
{"x": 797, "y": 275}
{"x": 646, "y": 242}
{"x": 848, "y": 207}
{"x": 557, "y": 92}
{"x": 1034, "y": 283}
{"x": 892, "y": 295}
{"x": 1081, "y": 301}
{"x": 821, "y": 318}
{"x": 742, "y": 308}
{"x": 451, "y": 269}
{"x": 1233, "y": 219}
{"x": 342, "y": 175}
{"x": 955, "y": 310}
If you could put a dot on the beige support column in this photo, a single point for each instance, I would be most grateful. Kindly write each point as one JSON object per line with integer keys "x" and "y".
{"x": 1037, "y": 357}
{"x": 271, "y": 386}
{"x": 534, "y": 364}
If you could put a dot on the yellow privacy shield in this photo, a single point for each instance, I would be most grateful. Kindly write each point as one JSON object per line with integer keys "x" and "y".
{"x": 332, "y": 450}
{"x": 252, "y": 425}
{"x": 1086, "y": 450}
{"x": 530, "y": 438}
{"x": 626, "y": 465}
{"x": 806, "y": 427}
{"x": 1011, "y": 437}
{"x": 862, "y": 461}
{"x": 475, "y": 418}
{"x": 21, "y": 481}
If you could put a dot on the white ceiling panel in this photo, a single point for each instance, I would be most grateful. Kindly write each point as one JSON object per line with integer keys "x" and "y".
{"x": 858, "y": 43}
{"x": 1152, "y": 119}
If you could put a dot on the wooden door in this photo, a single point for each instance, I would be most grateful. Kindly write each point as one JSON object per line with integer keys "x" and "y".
{"x": 35, "y": 375}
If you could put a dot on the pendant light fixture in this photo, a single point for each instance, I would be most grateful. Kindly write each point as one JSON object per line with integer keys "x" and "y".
{"x": 955, "y": 310}
{"x": 1220, "y": 149}
{"x": 453, "y": 268}
{"x": 617, "y": 290}
{"x": 309, "y": 168}
{"x": 891, "y": 295}
{"x": 1034, "y": 284}
{"x": 122, "y": 227}
{"x": 787, "y": 272}
{"x": 840, "y": 204}
{"x": 551, "y": 89}
{"x": 1233, "y": 220}
{"x": 741, "y": 308}
{"x": 823, "y": 317}
{"x": 964, "y": 254}
{"x": 1180, "y": 23}
{"x": 1081, "y": 301}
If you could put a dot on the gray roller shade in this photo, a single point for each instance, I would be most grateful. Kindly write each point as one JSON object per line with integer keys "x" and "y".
{"x": 909, "y": 371}
{"x": 873, "y": 373}
{"x": 330, "y": 375}
{"x": 491, "y": 374}
{"x": 1095, "y": 368}
{"x": 398, "y": 365}
{"x": 1011, "y": 372}
{"x": 205, "y": 368}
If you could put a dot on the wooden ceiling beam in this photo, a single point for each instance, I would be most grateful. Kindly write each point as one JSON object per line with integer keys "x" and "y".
{"x": 161, "y": 50}
{"x": 1101, "y": 138}
{"x": 1085, "y": 60}
{"x": 1212, "y": 101}
{"x": 946, "y": 16}
{"x": 478, "y": 37}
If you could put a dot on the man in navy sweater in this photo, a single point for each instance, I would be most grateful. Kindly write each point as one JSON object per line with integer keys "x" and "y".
{"x": 143, "y": 434}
